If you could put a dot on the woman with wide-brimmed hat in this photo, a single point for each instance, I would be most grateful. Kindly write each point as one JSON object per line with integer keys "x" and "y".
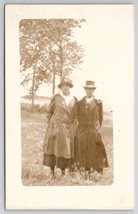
{"x": 59, "y": 137}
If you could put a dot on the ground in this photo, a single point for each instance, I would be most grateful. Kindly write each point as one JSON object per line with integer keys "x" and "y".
{"x": 35, "y": 174}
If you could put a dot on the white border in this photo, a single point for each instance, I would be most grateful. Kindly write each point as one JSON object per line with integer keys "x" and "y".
{"x": 119, "y": 195}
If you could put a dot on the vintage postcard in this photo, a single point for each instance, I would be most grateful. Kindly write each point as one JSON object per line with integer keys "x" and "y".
{"x": 69, "y": 82}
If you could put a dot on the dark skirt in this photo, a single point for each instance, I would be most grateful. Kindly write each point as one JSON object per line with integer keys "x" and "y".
{"x": 59, "y": 162}
{"x": 90, "y": 151}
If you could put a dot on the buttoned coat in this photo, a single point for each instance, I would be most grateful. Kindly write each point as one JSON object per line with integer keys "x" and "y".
{"x": 59, "y": 137}
{"x": 90, "y": 150}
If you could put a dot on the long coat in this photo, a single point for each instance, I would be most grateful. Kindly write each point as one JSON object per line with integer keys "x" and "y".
{"x": 59, "y": 137}
{"x": 90, "y": 150}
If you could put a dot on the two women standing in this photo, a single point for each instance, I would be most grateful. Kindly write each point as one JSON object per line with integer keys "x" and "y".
{"x": 60, "y": 135}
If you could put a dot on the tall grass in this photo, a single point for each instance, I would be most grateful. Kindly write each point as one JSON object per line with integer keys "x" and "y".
{"x": 34, "y": 173}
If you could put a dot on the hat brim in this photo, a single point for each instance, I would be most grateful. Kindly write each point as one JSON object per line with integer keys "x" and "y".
{"x": 70, "y": 84}
{"x": 90, "y": 87}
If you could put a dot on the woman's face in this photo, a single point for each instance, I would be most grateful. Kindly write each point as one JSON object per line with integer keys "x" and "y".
{"x": 89, "y": 92}
{"x": 65, "y": 89}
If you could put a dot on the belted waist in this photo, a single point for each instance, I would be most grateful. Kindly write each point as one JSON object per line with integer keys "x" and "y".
{"x": 86, "y": 124}
{"x": 62, "y": 121}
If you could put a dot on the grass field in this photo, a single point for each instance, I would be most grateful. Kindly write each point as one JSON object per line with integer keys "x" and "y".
{"x": 35, "y": 174}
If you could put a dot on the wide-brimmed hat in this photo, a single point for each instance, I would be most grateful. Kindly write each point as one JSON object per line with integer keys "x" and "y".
{"x": 65, "y": 81}
{"x": 89, "y": 84}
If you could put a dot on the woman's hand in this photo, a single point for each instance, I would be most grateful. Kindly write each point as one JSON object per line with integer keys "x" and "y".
{"x": 97, "y": 125}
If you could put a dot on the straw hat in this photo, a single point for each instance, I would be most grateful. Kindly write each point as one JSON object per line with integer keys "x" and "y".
{"x": 66, "y": 81}
{"x": 89, "y": 84}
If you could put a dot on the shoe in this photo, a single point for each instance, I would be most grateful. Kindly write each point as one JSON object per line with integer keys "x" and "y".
{"x": 100, "y": 170}
{"x": 52, "y": 172}
{"x": 63, "y": 171}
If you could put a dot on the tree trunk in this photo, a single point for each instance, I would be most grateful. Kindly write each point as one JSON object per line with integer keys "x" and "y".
{"x": 54, "y": 78}
{"x": 33, "y": 89}
{"x": 61, "y": 61}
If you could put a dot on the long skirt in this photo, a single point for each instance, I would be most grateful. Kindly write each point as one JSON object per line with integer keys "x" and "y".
{"x": 59, "y": 146}
{"x": 89, "y": 150}
{"x": 59, "y": 162}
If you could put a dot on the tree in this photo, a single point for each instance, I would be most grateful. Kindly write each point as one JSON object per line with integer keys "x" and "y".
{"x": 47, "y": 47}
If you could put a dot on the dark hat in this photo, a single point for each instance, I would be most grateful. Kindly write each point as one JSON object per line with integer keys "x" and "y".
{"x": 65, "y": 81}
{"x": 89, "y": 84}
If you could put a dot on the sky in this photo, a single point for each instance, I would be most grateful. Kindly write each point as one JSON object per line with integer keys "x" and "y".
{"x": 107, "y": 40}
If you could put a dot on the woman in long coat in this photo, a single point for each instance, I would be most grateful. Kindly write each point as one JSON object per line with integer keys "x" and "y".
{"x": 90, "y": 151}
{"x": 59, "y": 137}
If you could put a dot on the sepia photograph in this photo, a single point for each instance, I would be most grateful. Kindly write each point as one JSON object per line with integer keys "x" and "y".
{"x": 69, "y": 95}
{"x": 62, "y": 130}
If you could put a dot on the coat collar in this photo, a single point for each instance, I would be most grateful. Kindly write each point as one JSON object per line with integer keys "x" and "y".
{"x": 87, "y": 107}
{"x": 92, "y": 105}
{"x": 64, "y": 104}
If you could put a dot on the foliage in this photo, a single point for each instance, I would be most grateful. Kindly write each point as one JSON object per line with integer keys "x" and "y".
{"x": 46, "y": 47}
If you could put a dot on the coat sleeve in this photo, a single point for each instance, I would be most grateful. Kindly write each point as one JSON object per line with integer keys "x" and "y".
{"x": 73, "y": 114}
{"x": 50, "y": 109}
{"x": 100, "y": 112}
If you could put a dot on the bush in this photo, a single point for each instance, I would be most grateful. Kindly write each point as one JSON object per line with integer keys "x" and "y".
{"x": 27, "y": 107}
